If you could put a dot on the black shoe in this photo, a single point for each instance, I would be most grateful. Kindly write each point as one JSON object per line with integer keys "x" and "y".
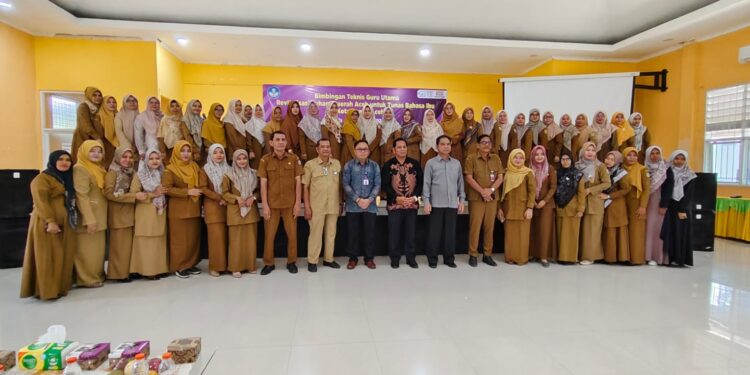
{"x": 473, "y": 261}
{"x": 433, "y": 265}
{"x": 331, "y": 264}
{"x": 291, "y": 267}
{"x": 412, "y": 263}
{"x": 193, "y": 270}
{"x": 184, "y": 274}
{"x": 267, "y": 269}
{"x": 394, "y": 263}
{"x": 452, "y": 264}
{"x": 489, "y": 261}
{"x": 312, "y": 267}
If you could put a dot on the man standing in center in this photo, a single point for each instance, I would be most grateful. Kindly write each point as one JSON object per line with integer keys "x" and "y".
{"x": 361, "y": 186}
{"x": 484, "y": 175}
{"x": 279, "y": 174}
{"x": 443, "y": 194}
{"x": 322, "y": 204}
{"x": 402, "y": 181}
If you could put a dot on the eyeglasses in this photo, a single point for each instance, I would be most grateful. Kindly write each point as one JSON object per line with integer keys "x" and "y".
{"x": 361, "y": 149}
{"x": 485, "y": 142}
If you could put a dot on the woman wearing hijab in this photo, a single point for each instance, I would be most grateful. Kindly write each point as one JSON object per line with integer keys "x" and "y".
{"x": 431, "y": 130}
{"x": 520, "y": 136}
{"x": 637, "y": 203}
{"x": 616, "y": 238}
{"x": 247, "y": 113}
{"x": 125, "y": 123}
{"x": 661, "y": 182}
{"x": 309, "y": 133}
{"x": 552, "y": 137}
{"x": 172, "y": 129}
{"x": 149, "y": 257}
{"x": 371, "y": 132}
{"x": 624, "y": 133}
{"x": 537, "y": 128}
{"x": 235, "y": 128}
{"x": 213, "y": 128}
{"x": 568, "y": 137}
{"x": 500, "y": 135}
{"x": 239, "y": 191}
{"x": 215, "y": 208}
{"x": 290, "y": 127}
{"x": 121, "y": 213}
{"x": 517, "y": 208}
{"x": 51, "y": 241}
{"x": 472, "y": 131}
{"x": 605, "y": 135}
{"x": 272, "y": 125}
{"x": 641, "y": 139}
{"x": 570, "y": 199}
{"x": 330, "y": 129}
{"x": 106, "y": 117}
{"x": 391, "y": 132}
{"x": 184, "y": 211}
{"x": 87, "y": 123}
{"x": 88, "y": 177}
{"x": 596, "y": 179}
{"x": 411, "y": 131}
{"x": 147, "y": 127}
{"x": 487, "y": 122}
{"x": 453, "y": 126}
{"x": 543, "y": 243}
{"x": 350, "y": 135}
{"x": 676, "y": 229}
{"x": 256, "y": 137}
{"x": 193, "y": 119}
{"x": 584, "y": 135}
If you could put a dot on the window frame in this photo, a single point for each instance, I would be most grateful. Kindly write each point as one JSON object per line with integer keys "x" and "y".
{"x": 46, "y": 119}
{"x": 742, "y": 178}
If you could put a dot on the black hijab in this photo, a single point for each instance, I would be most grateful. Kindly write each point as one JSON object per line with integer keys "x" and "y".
{"x": 567, "y": 181}
{"x": 65, "y": 178}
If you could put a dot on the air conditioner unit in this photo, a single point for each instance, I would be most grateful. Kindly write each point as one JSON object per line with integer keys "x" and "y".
{"x": 745, "y": 55}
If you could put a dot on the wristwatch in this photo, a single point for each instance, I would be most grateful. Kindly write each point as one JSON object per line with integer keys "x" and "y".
{"x": 493, "y": 189}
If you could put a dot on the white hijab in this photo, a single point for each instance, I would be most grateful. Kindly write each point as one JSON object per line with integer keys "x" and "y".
{"x": 505, "y": 129}
{"x": 368, "y": 128}
{"x": 430, "y": 133}
{"x": 487, "y": 125}
{"x": 639, "y": 130}
{"x": 216, "y": 171}
{"x": 310, "y": 124}
{"x": 388, "y": 126}
{"x": 235, "y": 118}
{"x": 603, "y": 131}
{"x": 256, "y": 124}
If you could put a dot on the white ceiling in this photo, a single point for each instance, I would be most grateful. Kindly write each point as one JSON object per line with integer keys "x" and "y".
{"x": 473, "y": 36}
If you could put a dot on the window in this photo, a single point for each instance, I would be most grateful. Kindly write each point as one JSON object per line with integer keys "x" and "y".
{"x": 727, "y": 140}
{"x": 58, "y": 120}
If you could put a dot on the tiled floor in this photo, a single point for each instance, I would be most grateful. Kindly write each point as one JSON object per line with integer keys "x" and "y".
{"x": 508, "y": 320}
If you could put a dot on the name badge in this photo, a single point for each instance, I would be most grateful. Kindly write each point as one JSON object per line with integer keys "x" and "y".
{"x": 325, "y": 171}
{"x": 365, "y": 182}
{"x": 493, "y": 176}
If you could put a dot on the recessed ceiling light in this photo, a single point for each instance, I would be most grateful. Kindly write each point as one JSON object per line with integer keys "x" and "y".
{"x": 305, "y": 47}
{"x": 182, "y": 41}
{"x": 425, "y": 52}
{"x": 5, "y": 4}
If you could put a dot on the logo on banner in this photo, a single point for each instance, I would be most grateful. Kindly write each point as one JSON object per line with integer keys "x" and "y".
{"x": 273, "y": 92}
{"x": 432, "y": 94}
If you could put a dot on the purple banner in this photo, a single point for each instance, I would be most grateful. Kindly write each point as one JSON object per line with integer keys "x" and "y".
{"x": 417, "y": 100}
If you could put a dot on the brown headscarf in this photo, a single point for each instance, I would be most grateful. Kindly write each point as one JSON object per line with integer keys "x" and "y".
{"x": 290, "y": 124}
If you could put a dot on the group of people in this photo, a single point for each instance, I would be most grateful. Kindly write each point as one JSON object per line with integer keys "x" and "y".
{"x": 143, "y": 183}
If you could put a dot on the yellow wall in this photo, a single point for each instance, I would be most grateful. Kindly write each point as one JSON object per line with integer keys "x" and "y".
{"x": 168, "y": 74}
{"x": 21, "y": 142}
{"x": 221, "y": 83}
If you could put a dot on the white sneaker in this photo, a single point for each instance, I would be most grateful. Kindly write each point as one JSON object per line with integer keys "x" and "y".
{"x": 586, "y": 262}
{"x": 652, "y": 263}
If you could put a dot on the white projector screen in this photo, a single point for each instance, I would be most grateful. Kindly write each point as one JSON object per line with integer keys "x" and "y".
{"x": 571, "y": 94}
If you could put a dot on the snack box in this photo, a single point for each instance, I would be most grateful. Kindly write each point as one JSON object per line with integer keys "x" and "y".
{"x": 126, "y": 351}
{"x": 185, "y": 350}
{"x": 7, "y": 359}
{"x": 90, "y": 356}
{"x": 45, "y": 356}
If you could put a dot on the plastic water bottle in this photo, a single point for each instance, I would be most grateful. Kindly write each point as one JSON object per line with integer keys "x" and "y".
{"x": 141, "y": 366}
{"x": 167, "y": 367}
{"x": 72, "y": 367}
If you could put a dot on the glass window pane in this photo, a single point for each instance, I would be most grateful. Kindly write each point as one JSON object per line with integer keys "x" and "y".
{"x": 726, "y": 161}
{"x": 63, "y": 113}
